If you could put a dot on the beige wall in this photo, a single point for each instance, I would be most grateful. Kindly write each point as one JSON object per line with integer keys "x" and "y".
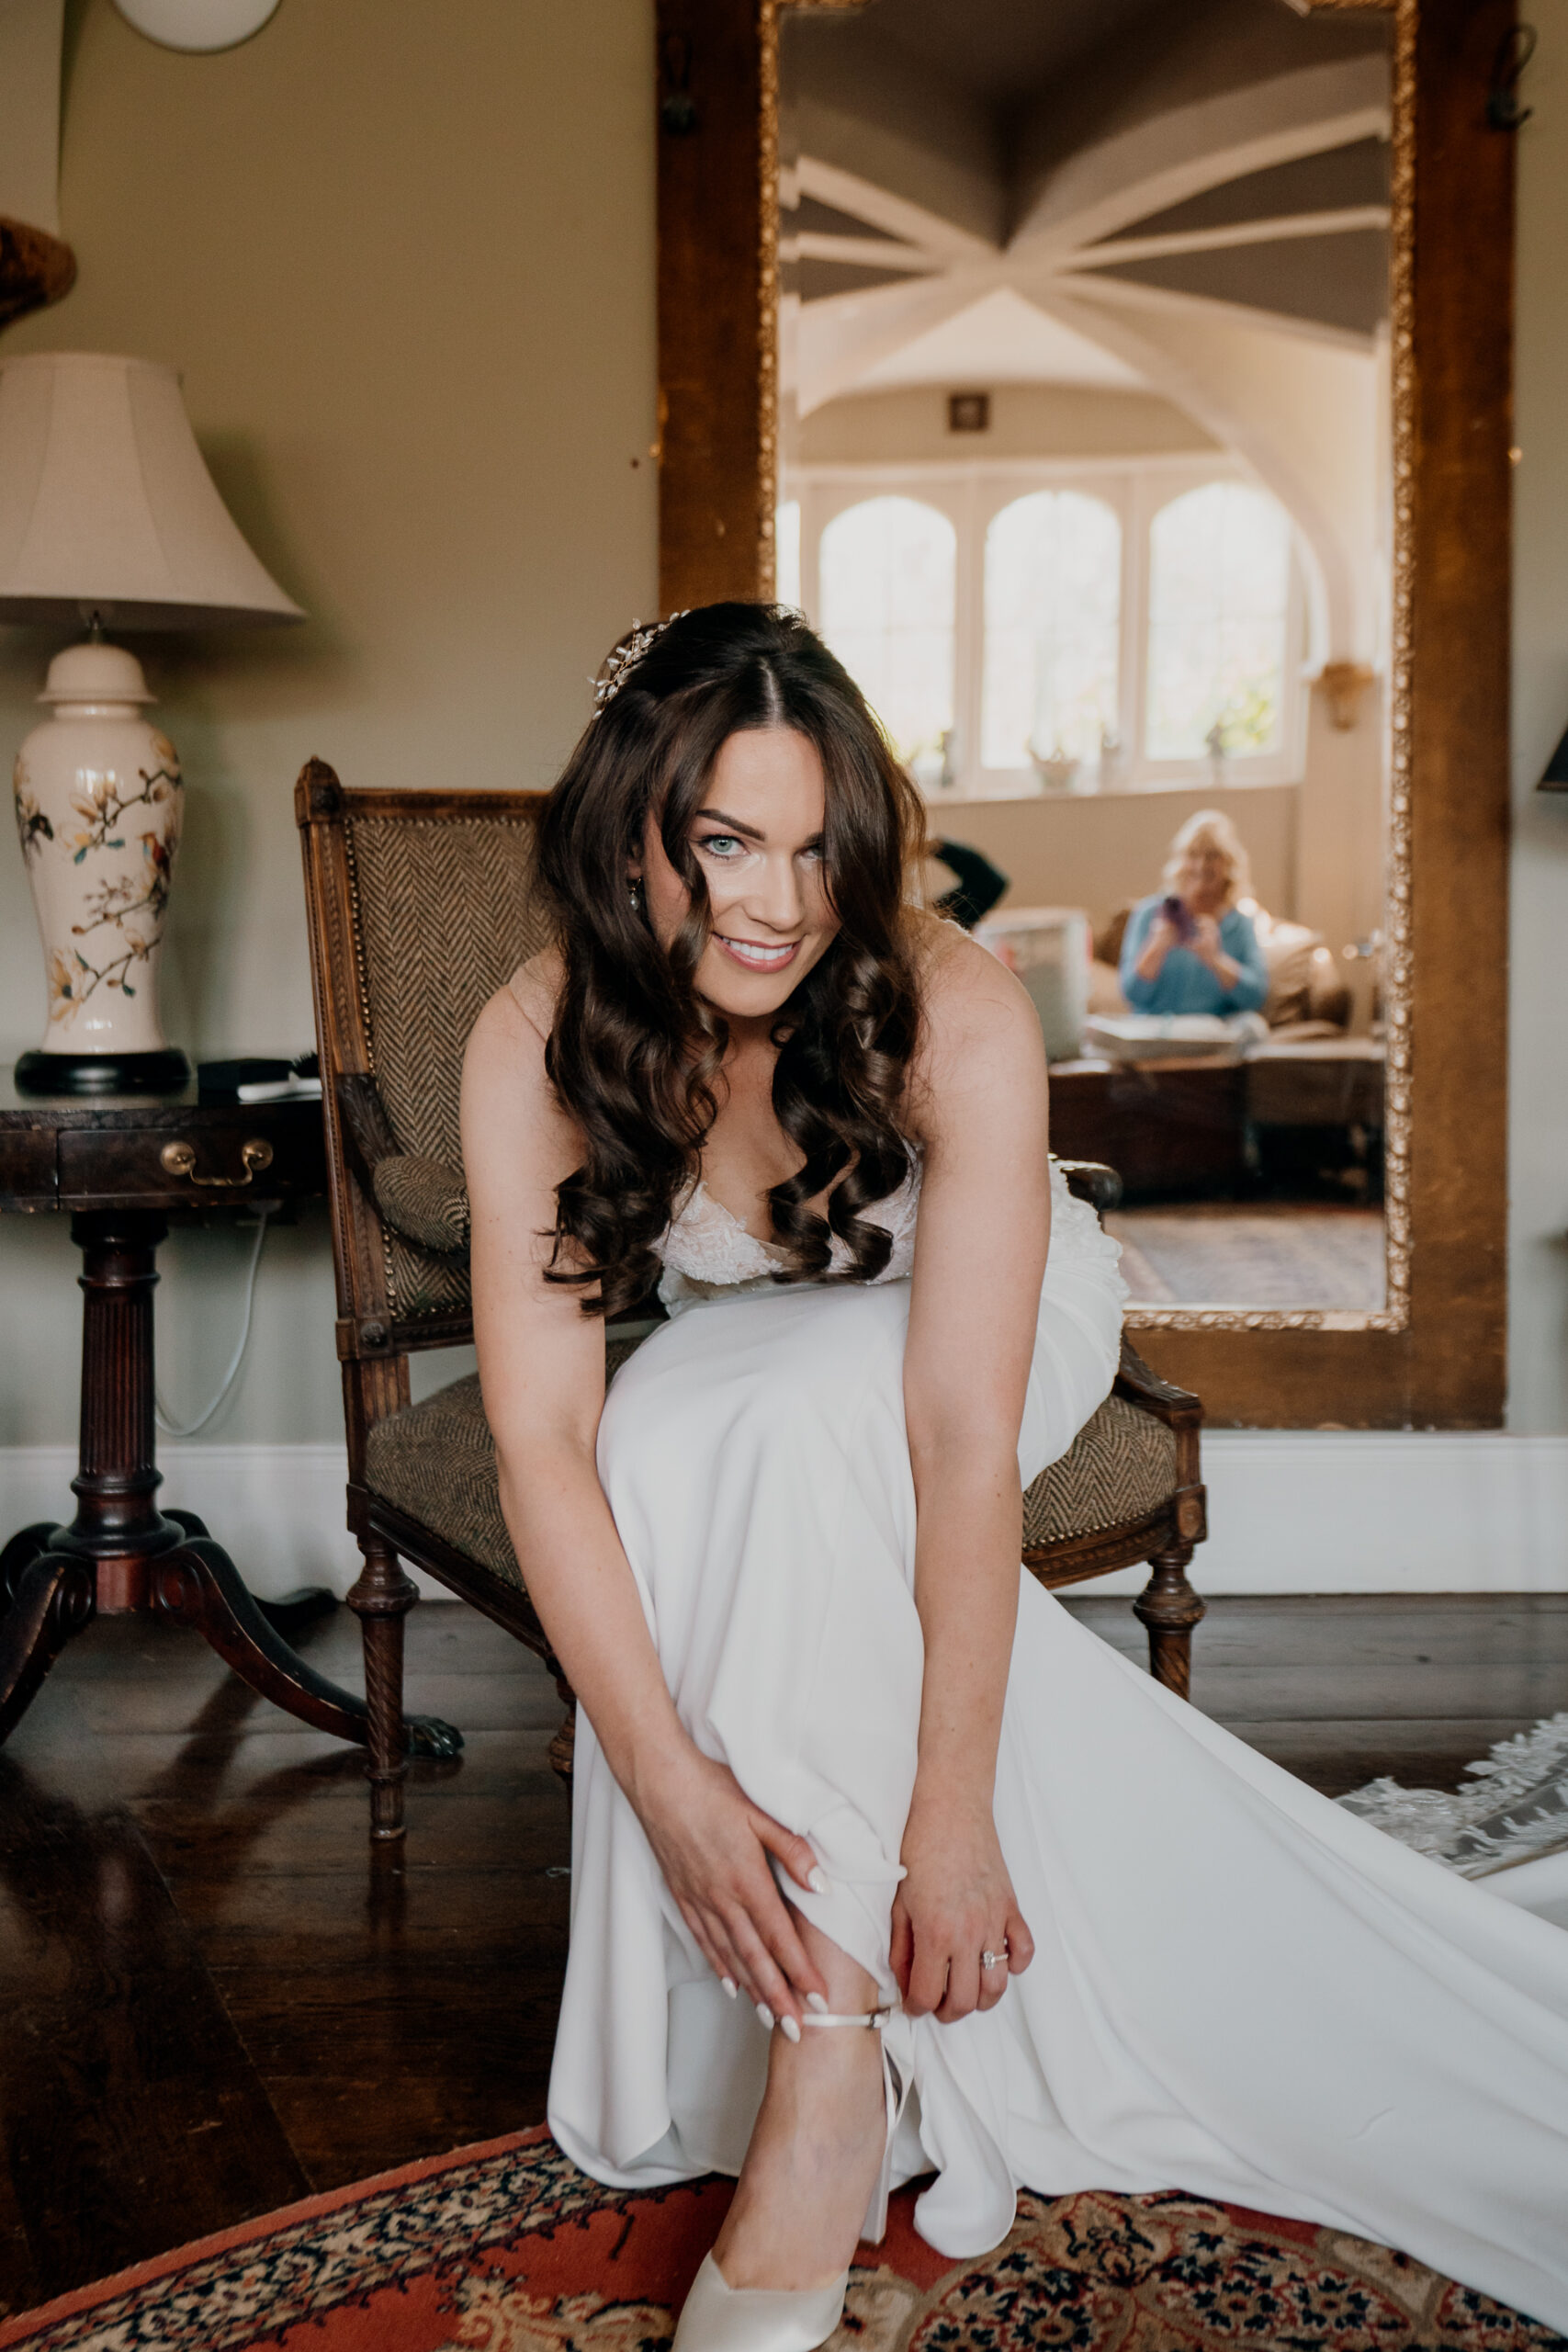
{"x": 909, "y": 427}
{"x": 403, "y": 255}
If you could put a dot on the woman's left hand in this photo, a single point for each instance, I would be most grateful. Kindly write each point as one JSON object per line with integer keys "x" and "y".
{"x": 955, "y": 1903}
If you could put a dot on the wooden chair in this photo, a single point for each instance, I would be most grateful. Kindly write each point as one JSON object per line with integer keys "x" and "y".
{"x": 420, "y": 905}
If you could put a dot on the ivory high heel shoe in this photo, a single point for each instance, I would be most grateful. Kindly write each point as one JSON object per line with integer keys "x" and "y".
{"x": 717, "y": 2317}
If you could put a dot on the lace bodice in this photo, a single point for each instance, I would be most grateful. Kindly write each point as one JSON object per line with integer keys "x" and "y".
{"x": 709, "y": 1253}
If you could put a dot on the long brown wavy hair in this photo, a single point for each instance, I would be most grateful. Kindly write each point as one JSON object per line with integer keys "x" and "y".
{"x": 635, "y": 1054}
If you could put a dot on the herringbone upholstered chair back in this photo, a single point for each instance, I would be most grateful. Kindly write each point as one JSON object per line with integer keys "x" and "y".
{"x": 445, "y": 909}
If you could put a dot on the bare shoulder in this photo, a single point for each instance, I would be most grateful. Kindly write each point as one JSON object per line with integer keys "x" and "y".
{"x": 980, "y": 1043}
{"x": 536, "y": 986}
{"x": 508, "y": 1100}
{"x": 514, "y": 1025}
{"x": 966, "y": 994}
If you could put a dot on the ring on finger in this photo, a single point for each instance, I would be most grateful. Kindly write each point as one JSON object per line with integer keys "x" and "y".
{"x": 995, "y": 1959}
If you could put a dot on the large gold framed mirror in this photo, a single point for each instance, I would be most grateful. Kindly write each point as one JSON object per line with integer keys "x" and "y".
{"x": 1123, "y": 387}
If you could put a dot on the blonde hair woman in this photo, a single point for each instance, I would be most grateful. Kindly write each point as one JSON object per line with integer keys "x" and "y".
{"x": 1190, "y": 948}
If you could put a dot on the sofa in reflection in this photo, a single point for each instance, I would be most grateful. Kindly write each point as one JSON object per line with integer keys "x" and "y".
{"x": 1299, "y": 1107}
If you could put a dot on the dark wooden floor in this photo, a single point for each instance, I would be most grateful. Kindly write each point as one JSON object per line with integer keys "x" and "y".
{"x": 212, "y": 2001}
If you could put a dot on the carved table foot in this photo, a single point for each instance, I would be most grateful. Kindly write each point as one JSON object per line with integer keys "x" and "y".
{"x": 53, "y": 1596}
{"x": 199, "y": 1585}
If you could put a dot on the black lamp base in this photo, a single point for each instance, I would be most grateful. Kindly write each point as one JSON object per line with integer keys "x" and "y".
{"x": 165, "y": 1072}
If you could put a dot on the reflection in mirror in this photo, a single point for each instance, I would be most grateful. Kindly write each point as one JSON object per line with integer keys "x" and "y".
{"x": 1084, "y": 464}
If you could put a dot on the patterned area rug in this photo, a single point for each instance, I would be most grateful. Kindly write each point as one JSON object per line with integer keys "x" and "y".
{"x": 1217, "y": 1253}
{"x": 509, "y": 2248}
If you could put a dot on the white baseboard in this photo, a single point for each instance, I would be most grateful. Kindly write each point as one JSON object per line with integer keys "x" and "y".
{"x": 1330, "y": 1510}
{"x": 276, "y": 1510}
{"x": 1290, "y": 1510}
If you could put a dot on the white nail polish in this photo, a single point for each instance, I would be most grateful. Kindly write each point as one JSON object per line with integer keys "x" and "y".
{"x": 766, "y": 2015}
{"x": 730, "y": 1986}
{"x": 817, "y": 1883}
{"x": 815, "y": 2001}
{"x": 789, "y": 2028}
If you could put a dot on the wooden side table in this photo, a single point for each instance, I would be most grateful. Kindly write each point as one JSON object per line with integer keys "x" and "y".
{"x": 122, "y": 1165}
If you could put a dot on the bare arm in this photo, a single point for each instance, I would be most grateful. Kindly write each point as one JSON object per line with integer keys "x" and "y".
{"x": 979, "y": 1262}
{"x": 542, "y": 1371}
{"x": 1207, "y": 946}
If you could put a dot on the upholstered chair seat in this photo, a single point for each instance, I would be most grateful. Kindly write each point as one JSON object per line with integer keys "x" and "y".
{"x": 436, "y": 1461}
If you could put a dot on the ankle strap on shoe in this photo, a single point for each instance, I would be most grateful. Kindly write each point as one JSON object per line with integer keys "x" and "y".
{"x": 878, "y": 2018}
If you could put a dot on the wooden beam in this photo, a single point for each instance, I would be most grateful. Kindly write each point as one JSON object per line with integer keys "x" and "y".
{"x": 715, "y": 245}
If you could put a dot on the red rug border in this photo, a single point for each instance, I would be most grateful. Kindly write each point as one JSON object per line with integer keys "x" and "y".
{"x": 22, "y": 2324}
{"x": 305, "y": 2209}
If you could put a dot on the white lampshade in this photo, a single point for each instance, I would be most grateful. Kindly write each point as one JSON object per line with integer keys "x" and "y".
{"x": 106, "y": 507}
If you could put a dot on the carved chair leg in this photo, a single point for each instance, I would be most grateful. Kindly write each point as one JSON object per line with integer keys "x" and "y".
{"x": 382, "y": 1598}
{"x": 1169, "y": 1608}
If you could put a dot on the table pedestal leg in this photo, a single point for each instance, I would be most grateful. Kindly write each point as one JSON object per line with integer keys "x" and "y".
{"x": 120, "y": 1552}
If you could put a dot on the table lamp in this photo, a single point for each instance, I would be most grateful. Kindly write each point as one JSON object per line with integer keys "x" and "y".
{"x": 107, "y": 516}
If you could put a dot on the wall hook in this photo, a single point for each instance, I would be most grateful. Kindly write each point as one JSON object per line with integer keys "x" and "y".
{"x": 676, "y": 114}
{"x": 1515, "y": 50}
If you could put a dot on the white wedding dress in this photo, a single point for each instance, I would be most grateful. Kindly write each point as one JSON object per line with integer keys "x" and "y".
{"x": 1238, "y": 1990}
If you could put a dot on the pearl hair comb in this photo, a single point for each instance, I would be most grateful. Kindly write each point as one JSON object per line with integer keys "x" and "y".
{"x": 624, "y": 657}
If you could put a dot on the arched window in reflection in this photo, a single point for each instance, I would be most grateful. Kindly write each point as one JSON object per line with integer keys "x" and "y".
{"x": 1053, "y": 628}
{"x": 1219, "y": 592}
{"x": 885, "y": 595}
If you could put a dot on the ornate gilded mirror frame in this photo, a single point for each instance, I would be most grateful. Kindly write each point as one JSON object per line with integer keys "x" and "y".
{"x": 1433, "y": 1355}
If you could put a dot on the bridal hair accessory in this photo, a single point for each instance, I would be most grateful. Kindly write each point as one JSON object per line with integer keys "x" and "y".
{"x": 622, "y": 658}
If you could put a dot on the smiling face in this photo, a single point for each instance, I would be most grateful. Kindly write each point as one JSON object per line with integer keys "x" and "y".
{"x": 757, "y": 837}
{"x": 1203, "y": 878}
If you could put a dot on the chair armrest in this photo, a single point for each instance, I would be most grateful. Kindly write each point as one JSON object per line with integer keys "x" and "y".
{"x": 1141, "y": 1385}
{"x": 367, "y": 1130}
{"x": 426, "y": 1200}
{"x": 1092, "y": 1181}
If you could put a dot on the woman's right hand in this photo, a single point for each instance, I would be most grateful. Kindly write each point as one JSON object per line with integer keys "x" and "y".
{"x": 1162, "y": 937}
{"x": 712, "y": 1844}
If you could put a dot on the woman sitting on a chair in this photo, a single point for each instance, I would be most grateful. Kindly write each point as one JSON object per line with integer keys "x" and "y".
{"x": 1190, "y": 948}
{"x": 835, "y": 1753}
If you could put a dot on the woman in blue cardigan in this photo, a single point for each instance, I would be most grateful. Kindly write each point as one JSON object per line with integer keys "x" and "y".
{"x": 1190, "y": 948}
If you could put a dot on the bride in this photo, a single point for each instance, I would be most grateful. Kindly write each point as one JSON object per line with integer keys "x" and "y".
{"x": 841, "y": 1764}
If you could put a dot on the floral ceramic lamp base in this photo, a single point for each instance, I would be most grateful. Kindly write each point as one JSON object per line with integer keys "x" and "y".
{"x": 98, "y": 807}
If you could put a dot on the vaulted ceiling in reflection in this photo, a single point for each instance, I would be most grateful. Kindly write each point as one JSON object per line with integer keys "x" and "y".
{"x": 1093, "y": 161}
{"x": 1187, "y": 197}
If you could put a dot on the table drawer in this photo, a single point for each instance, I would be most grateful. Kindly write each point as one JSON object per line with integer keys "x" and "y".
{"x": 190, "y": 1163}
{"x": 27, "y": 1168}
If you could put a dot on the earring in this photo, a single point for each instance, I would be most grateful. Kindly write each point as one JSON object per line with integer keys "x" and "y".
{"x": 634, "y": 892}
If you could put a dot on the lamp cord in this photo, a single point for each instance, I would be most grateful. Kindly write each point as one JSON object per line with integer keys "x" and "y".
{"x": 174, "y": 1429}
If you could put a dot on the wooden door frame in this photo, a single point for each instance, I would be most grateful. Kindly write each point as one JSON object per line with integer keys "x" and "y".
{"x": 1436, "y": 1358}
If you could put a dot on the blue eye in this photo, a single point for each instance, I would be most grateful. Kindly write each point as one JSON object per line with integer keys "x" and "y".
{"x": 721, "y": 844}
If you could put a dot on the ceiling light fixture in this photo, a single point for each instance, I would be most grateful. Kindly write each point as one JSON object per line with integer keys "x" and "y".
{"x": 197, "y": 25}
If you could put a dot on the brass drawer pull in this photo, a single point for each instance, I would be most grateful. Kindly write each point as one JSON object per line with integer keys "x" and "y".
{"x": 179, "y": 1158}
